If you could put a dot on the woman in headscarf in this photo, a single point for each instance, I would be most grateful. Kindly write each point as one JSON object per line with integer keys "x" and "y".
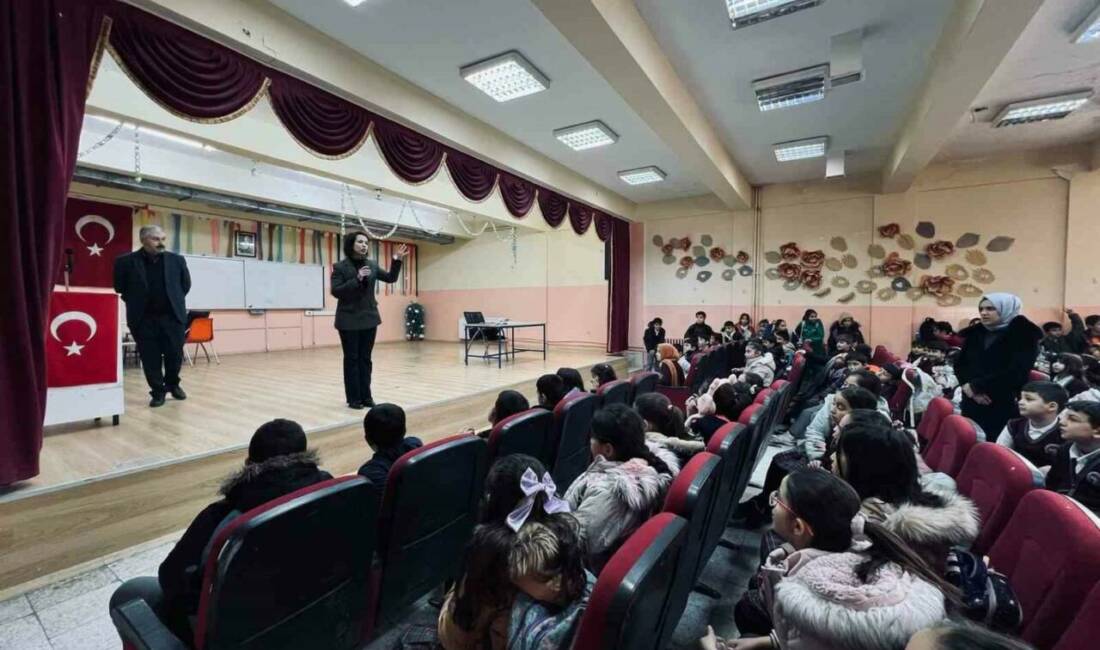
{"x": 844, "y": 324}
{"x": 667, "y": 364}
{"x": 997, "y": 355}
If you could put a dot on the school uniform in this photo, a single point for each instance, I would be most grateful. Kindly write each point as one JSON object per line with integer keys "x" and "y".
{"x": 1076, "y": 475}
{"x": 1039, "y": 445}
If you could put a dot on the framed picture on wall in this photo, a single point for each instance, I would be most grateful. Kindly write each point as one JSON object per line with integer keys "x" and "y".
{"x": 245, "y": 244}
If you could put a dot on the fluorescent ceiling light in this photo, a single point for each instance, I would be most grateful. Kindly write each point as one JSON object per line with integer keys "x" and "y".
{"x": 642, "y": 175}
{"x": 1089, "y": 29}
{"x": 801, "y": 149}
{"x": 791, "y": 88}
{"x": 354, "y": 3}
{"x": 505, "y": 76}
{"x": 586, "y": 136}
{"x": 1040, "y": 110}
{"x": 750, "y": 12}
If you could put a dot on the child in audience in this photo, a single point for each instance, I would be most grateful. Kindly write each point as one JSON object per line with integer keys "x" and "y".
{"x": 934, "y": 354}
{"x": 757, "y": 361}
{"x": 602, "y": 373}
{"x": 1076, "y": 469}
{"x": 944, "y": 375}
{"x": 1055, "y": 341}
{"x": 780, "y": 326}
{"x": 1036, "y": 434}
{"x": 729, "y": 332}
{"x": 890, "y": 376}
{"x": 698, "y": 333}
{"x": 853, "y": 361}
{"x": 278, "y": 463}
{"x": 819, "y": 449}
{"x": 666, "y": 433}
{"x": 1092, "y": 376}
{"x": 623, "y": 487}
{"x": 574, "y": 383}
{"x": 509, "y": 402}
{"x": 840, "y": 581}
{"x": 722, "y": 404}
{"x": 523, "y": 571}
{"x": 963, "y": 636}
{"x": 384, "y": 431}
{"x": 668, "y": 365}
{"x": 845, "y": 325}
{"x": 551, "y": 390}
{"x": 1092, "y": 331}
{"x": 654, "y": 335}
{"x": 1069, "y": 372}
{"x": 744, "y": 327}
{"x": 810, "y": 331}
{"x": 764, "y": 328}
{"x": 944, "y": 332}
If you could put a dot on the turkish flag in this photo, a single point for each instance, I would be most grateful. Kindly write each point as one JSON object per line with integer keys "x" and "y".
{"x": 82, "y": 343}
{"x": 95, "y": 234}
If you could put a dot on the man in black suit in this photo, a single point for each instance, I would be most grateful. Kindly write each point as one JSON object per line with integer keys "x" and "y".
{"x": 153, "y": 283}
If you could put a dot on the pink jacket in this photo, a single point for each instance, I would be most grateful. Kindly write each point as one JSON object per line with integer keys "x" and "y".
{"x": 817, "y": 602}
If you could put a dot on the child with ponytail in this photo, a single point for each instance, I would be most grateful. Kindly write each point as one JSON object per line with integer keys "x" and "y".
{"x": 665, "y": 426}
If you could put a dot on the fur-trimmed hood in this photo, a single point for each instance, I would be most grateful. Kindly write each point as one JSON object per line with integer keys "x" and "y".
{"x": 956, "y": 523}
{"x": 257, "y": 483}
{"x": 670, "y": 449}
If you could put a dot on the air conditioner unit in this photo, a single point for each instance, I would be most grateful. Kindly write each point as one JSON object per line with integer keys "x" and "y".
{"x": 792, "y": 88}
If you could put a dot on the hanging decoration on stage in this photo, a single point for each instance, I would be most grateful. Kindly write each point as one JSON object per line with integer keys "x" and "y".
{"x": 414, "y": 322}
{"x": 95, "y": 234}
{"x": 82, "y": 340}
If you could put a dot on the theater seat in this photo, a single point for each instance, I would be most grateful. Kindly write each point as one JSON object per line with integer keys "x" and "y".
{"x": 629, "y": 606}
{"x": 778, "y": 383}
{"x": 995, "y": 479}
{"x": 522, "y": 433}
{"x": 614, "y": 392}
{"x": 568, "y": 443}
{"x": 1036, "y": 375}
{"x": 746, "y": 416}
{"x": 1081, "y": 634}
{"x": 427, "y": 515}
{"x": 882, "y": 356}
{"x": 692, "y": 495}
{"x": 929, "y": 425}
{"x": 948, "y": 450}
{"x": 762, "y": 396}
{"x": 253, "y": 597}
{"x": 731, "y": 444}
{"x": 1050, "y": 552}
{"x": 798, "y": 365}
{"x": 900, "y": 400}
{"x": 644, "y": 382}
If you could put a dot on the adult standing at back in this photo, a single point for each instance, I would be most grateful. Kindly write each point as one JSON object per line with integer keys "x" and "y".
{"x": 154, "y": 284}
{"x": 996, "y": 357}
{"x": 357, "y": 318}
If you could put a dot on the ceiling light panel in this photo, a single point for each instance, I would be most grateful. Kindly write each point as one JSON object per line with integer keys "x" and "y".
{"x": 1089, "y": 29}
{"x": 801, "y": 149}
{"x": 791, "y": 88}
{"x": 586, "y": 136}
{"x": 750, "y": 12}
{"x": 1041, "y": 110}
{"x": 354, "y": 3}
{"x": 642, "y": 175}
{"x": 505, "y": 77}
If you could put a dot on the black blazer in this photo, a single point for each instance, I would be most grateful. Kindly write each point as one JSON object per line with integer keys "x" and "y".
{"x": 130, "y": 281}
{"x": 1002, "y": 369}
{"x": 357, "y": 308}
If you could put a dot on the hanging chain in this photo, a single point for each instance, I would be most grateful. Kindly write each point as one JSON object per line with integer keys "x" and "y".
{"x": 107, "y": 138}
{"x": 347, "y": 198}
{"x": 137, "y": 154}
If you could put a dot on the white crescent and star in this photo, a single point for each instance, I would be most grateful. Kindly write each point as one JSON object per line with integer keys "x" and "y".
{"x": 95, "y": 249}
{"x": 73, "y": 348}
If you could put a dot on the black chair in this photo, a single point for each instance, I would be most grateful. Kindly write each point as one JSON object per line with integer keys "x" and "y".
{"x": 644, "y": 382}
{"x": 568, "y": 443}
{"x": 522, "y": 433}
{"x": 614, "y": 392}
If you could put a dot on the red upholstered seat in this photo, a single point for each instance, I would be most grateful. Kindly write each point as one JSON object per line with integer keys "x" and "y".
{"x": 630, "y": 602}
{"x": 995, "y": 479}
{"x": 948, "y": 450}
{"x": 731, "y": 444}
{"x": 644, "y": 382}
{"x": 882, "y": 356}
{"x": 614, "y": 392}
{"x": 1082, "y": 633}
{"x": 778, "y": 383}
{"x": 929, "y": 425}
{"x": 746, "y": 416}
{"x": 522, "y": 433}
{"x": 692, "y": 495}
{"x": 1050, "y": 552}
{"x": 798, "y": 363}
{"x": 1036, "y": 375}
{"x": 763, "y": 395}
{"x": 568, "y": 443}
{"x": 900, "y": 400}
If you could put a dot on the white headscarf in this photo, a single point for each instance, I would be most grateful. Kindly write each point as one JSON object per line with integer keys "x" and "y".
{"x": 1008, "y": 306}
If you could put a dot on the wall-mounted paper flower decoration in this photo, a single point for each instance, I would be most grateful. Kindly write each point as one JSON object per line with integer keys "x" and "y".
{"x": 937, "y": 285}
{"x": 895, "y": 267}
{"x": 789, "y": 271}
{"x": 889, "y": 231}
{"x": 811, "y": 278}
{"x": 717, "y": 254}
{"x": 790, "y": 252}
{"x": 742, "y": 257}
{"x": 939, "y": 249}
{"x": 813, "y": 259}
{"x": 667, "y": 249}
{"x": 687, "y": 261}
{"x": 685, "y": 243}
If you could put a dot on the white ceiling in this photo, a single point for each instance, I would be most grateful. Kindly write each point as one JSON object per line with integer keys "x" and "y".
{"x": 1043, "y": 62}
{"x": 427, "y": 41}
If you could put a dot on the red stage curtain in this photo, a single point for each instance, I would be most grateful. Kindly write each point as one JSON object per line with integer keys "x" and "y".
{"x": 553, "y": 206}
{"x": 474, "y": 178}
{"x": 518, "y": 194}
{"x": 187, "y": 74}
{"x": 618, "y": 289}
{"x": 604, "y": 224}
{"x": 412, "y": 156}
{"x": 45, "y": 60}
{"x": 320, "y": 121}
{"x": 580, "y": 217}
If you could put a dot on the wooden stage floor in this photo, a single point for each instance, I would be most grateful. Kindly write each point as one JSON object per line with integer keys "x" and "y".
{"x": 227, "y": 402}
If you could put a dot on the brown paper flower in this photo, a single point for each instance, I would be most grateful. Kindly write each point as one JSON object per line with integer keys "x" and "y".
{"x": 717, "y": 254}
{"x": 668, "y": 248}
{"x": 889, "y": 231}
{"x": 790, "y": 271}
{"x": 742, "y": 257}
{"x": 811, "y": 278}
{"x": 687, "y": 261}
{"x": 895, "y": 267}
{"x": 790, "y": 252}
{"x": 937, "y": 285}
{"x": 813, "y": 259}
{"x": 685, "y": 243}
{"x": 939, "y": 249}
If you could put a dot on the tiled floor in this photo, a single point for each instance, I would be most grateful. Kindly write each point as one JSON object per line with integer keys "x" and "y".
{"x": 72, "y": 614}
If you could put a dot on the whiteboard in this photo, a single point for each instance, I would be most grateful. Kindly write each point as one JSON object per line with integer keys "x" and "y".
{"x": 276, "y": 285}
{"x": 216, "y": 283}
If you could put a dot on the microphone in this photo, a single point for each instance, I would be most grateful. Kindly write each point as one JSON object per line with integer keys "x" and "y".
{"x": 69, "y": 260}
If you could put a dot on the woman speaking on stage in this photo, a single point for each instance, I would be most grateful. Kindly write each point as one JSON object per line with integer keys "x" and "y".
{"x": 357, "y": 318}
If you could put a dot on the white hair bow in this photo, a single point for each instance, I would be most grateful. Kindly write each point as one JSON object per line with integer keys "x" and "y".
{"x": 530, "y": 485}
{"x": 860, "y": 541}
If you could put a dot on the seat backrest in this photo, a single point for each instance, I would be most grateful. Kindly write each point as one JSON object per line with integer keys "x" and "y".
{"x": 900, "y": 399}
{"x": 948, "y": 451}
{"x": 678, "y": 395}
{"x": 881, "y": 356}
{"x": 201, "y": 330}
{"x": 568, "y": 443}
{"x": 1050, "y": 552}
{"x": 629, "y": 605}
{"x": 644, "y": 382}
{"x": 746, "y": 416}
{"x": 253, "y": 597}
{"x": 762, "y": 396}
{"x": 1081, "y": 634}
{"x": 521, "y": 433}
{"x": 731, "y": 444}
{"x": 692, "y": 495}
{"x": 995, "y": 479}
{"x": 778, "y": 383}
{"x": 427, "y": 515}
{"x": 798, "y": 365}
{"x": 615, "y": 392}
{"x": 929, "y": 425}
{"x": 1037, "y": 375}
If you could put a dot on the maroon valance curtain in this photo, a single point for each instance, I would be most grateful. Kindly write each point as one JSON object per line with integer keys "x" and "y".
{"x": 321, "y": 122}
{"x": 473, "y": 177}
{"x": 604, "y": 225}
{"x": 414, "y": 157}
{"x": 553, "y": 206}
{"x": 580, "y": 217}
{"x": 517, "y": 193}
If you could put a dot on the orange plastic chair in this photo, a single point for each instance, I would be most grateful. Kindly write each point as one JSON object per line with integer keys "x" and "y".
{"x": 200, "y": 333}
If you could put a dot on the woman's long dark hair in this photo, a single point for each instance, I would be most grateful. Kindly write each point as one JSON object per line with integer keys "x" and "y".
{"x": 624, "y": 429}
{"x": 878, "y": 461}
{"x": 1074, "y": 366}
{"x": 509, "y": 402}
{"x": 572, "y": 378}
{"x": 828, "y": 505}
{"x": 806, "y": 314}
{"x": 349, "y": 243}
{"x": 744, "y": 319}
{"x": 604, "y": 373}
{"x": 658, "y": 410}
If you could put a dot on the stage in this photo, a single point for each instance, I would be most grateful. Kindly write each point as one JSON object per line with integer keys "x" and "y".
{"x": 104, "y": 487}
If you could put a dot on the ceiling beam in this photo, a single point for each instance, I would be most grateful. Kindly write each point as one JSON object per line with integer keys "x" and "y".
{"x": 618, "y": 43}
{"x": 977, "y": 37}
